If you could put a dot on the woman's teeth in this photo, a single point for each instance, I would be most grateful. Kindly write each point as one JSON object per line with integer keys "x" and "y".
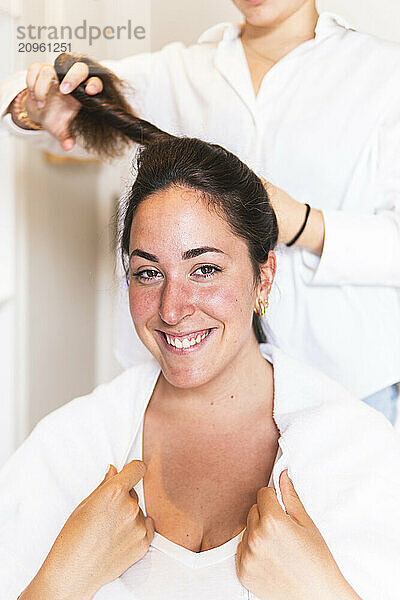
{"x": 186, "y": 342}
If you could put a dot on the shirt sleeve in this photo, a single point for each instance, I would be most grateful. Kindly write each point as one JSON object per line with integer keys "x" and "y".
{"x": 364, "y": 249}
{"x": 137, "y": 70}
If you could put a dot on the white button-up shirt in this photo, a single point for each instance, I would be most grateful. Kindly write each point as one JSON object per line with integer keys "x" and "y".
{"x": 325, "y": 127}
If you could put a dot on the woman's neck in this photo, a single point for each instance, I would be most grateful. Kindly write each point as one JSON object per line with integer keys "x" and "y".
{"x": 245, "y": 385}
{"x": 275, "y": 41}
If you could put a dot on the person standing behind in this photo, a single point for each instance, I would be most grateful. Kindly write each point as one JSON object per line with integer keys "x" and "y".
{"x": 312, "y": 106}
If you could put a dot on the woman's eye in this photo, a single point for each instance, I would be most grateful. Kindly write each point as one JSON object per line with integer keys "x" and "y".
{"x": 206, "y": 271}
{"x": 147, "y": 275}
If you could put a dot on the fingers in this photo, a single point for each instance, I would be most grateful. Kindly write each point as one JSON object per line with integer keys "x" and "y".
{"x": 94, "y": 85}
{"x": 253, "y": 517}
{"x": 134, "y": 495}
{"x": 67, "y": 144}
{"x": 238, "y": 557}
{"x": 39, "y": 78}
{"x": 32, "y": 75}
{"x": 111, "y": 471}
{"x": 41, "y": 81}
{"x": 131, "y": 473}
{"x": 45, "y": 80}
{"x": 244, "y": 542}
{"x": 150, "y": 528}
{"x": 291, "y": 500}
{"x": 268, "y": 503}
{"x": 76, "y": 74}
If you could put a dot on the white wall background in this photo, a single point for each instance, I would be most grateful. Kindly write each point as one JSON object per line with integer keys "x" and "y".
{"x": 56, "y": 255}
{"x": 7, "y": 262}
{"x": 184, "y": 20}
{"x": 379, "y": 17}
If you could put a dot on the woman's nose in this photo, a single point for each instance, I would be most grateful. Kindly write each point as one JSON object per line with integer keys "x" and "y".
{"x": 176, "y": 303}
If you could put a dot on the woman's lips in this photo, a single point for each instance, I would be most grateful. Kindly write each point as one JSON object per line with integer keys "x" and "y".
{"x": 183, "y": 340}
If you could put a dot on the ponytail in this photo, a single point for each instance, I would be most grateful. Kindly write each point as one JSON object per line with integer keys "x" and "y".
{"x": 105, "y": 124}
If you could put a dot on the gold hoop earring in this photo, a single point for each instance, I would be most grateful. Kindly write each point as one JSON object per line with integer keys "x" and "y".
{"x": 261, "y": 308}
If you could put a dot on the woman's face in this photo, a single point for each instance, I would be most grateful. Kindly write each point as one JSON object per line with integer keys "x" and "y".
{"x": 268, "y": 13}
{"x": 191, "y": 289}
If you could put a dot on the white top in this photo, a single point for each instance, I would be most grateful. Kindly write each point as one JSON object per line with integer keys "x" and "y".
{"x": 342, "y": 456}
{"x": 325, "y": 127}
{"x": 201, "y": 575}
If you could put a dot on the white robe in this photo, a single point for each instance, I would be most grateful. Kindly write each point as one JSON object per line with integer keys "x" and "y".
{"x": 343, "y": 458}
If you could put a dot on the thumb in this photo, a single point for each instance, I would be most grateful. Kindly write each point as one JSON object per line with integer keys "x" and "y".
{"x": 150, "y": 528}
{"x": 111, "y": 472}
{"x": 67, "y": 143}
{"x": 291, "y": 500}
{"x": 131, "y": 473}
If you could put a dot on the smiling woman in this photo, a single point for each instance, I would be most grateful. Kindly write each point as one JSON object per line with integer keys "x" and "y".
{"x": 198, "y": 227}
{"x": 206, "y": 431}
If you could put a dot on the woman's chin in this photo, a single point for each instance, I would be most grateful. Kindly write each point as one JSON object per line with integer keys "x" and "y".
{"x": 187, "y": 377}
{"x": 261, "y": 15}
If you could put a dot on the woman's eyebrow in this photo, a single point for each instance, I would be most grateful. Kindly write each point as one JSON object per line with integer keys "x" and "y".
{"x": 197, "y": 251}
{"x": 185, "y": 256}
{"x": 143, "y": 254}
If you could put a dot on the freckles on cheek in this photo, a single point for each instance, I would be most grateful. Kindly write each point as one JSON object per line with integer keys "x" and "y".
{"x": 142, "y": 303}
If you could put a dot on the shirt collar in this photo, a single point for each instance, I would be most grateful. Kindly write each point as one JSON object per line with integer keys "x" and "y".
{"x": 222, "y": 31}
{"x": 328, "y": 23}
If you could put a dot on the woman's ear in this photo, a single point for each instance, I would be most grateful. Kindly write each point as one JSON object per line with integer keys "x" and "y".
{"x": 267, "y": 274}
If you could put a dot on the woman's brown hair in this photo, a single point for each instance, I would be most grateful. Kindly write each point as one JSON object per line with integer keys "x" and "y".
{"x": 106, "y": 124}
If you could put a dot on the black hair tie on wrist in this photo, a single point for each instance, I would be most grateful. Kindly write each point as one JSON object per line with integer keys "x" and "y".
{"x": 302, "y": 228}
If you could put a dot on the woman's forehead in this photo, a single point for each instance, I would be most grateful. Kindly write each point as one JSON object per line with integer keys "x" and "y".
{"x": 173, "y": 201}
{"x": 181, "y": 219}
